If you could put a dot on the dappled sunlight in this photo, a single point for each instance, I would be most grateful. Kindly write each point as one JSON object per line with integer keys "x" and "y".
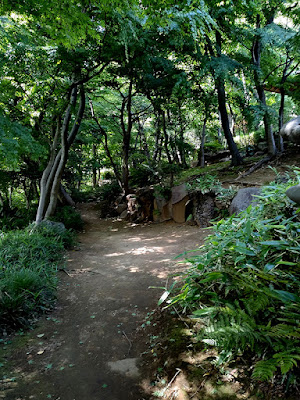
{"x": 145, "y": 250}
{"x": 114, "y": 255}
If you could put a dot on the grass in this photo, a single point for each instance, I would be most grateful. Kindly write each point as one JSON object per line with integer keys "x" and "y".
{"x": 29, "y": 260}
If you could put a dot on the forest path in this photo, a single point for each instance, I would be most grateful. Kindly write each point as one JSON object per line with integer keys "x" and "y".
{"x": 86, "y": 348}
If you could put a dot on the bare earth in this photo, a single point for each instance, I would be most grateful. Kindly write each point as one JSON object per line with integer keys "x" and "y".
{"x": 86, "y": 348}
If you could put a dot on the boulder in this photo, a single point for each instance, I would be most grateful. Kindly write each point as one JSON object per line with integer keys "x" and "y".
{"x": 294, "y": 193}
{"x": 179, "y": 210}
{"x": 162, "y": 210}
{"x": 178, "y": 193}
{"x": 132, "y": 206}
{"x": 204, "y": 209}
{"x": 58, "y": 226}
{"x": 291, "y": 130}
{"x": 145, "y": 198}
{"x": 121, "y": 207}
{"x": 243, "y": 199}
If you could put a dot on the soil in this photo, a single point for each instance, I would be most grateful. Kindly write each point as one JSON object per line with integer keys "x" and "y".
{"x": 87, "y": 348}
{"x": 107, "y": 339}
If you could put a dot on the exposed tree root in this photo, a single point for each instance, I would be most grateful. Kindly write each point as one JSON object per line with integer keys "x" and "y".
{"x": 255, "y": 167}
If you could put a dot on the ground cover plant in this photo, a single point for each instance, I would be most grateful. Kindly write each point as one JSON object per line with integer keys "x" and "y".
{"x": 29, "y": 261}
{"x": 243, "y": 287}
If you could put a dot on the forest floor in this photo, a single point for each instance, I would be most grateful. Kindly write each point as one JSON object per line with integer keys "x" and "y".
{"x": 87, "y": 348}
{"x": 106, "y": 338}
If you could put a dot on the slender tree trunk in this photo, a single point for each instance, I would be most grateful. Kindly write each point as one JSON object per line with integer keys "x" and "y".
{"x": 50, "y": 182}
{"x": 202, "y": 156}
{"x": 280, "y": 119}
{"x": 106, "y": 147}
{"x": 166, "y": 141}
{"x": 256, "y": 58}
{"x": 126, "y": 137}
{"x": 157, "y": 136}
{"x": 236, "y": 158}
{"x": 144, "y": 143}
{"x": 94, "y": 150}
{"x": 67, "y": 140}
{"x": 181, "y": 138}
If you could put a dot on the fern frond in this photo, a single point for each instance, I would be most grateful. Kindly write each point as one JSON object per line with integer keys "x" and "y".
{"x": 264, "y": 370}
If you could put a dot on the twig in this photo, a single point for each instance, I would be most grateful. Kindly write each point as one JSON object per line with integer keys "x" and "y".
{"x": 65, "y": 271}
{"x": 181, "y": 318}
{"x": 172, "y": 380}
{"x": 130, "y": 344}
{"x": 255, "y": 167}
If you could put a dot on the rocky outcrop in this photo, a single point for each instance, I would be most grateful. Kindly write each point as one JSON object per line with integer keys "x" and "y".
{"x": 243, "y": 199}
{"x": 203, "y": 208}
{"x": 291, "y": 130}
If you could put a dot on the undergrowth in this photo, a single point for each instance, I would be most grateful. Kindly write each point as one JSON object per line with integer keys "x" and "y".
{"x": 244, "y": 287}
{"x": 29, "y": 260}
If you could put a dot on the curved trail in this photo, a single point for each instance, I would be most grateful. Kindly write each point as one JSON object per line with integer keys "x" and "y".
{"x": 85, "y": 349}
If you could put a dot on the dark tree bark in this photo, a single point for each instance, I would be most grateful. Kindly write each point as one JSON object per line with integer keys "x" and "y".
{"x": 157, "y": 150}
{"x": 256, "y": 58}
{"x": 201, "y": 153}
{"x": 236, "y": 158}
{"x": 126, "y": 131}
{"x": 166, "y": 137}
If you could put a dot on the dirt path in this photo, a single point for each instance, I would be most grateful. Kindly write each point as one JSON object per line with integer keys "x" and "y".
{"x": 85, "y": 349}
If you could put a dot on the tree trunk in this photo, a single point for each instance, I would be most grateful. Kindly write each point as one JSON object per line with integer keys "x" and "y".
{"x": 126, "y": 137}
{"x": 256, "y": 57}
{"x": 166, "y": 141}
{"x": 236, "y": 158}
{"x": 280, "y": 119}
{"x": 94, "y": 180}
{"x": 202, "y": 156}
{"x": 181, "y": 138}
{"x": 157, "y": 136}
{"x": 51, "y": 179}
{"x": 105, "y": 144}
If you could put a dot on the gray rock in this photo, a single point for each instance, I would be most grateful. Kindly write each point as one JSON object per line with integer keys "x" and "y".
{"x": 178, "y": 193}
{"x": 124, "y": 214}
{"x": 120, "y": 208}
{"x": 291, "y": 130}
{"x": 58, "y": 225}
{"x": 243, "y": 199}
{"x": 294, "y": 193}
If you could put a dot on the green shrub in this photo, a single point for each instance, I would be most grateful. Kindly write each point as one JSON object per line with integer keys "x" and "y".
{"x": 143, "y": 175}
{"x": 69, "y": 217}
{"x": 18, "y": 218}
{"x": 244, "y": 285}
{"x": 28, "y": 265}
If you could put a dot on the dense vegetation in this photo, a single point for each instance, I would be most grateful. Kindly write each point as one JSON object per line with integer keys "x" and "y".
{"x": 136, "y": 89}
{"x": 132, "y": 92}
{"x": 244, "y": 286}
{"x": 29, "y": 260}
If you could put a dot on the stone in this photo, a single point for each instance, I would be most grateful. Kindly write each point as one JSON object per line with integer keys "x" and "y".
{"x": 124, "y": 214}
{"x": 204, "y": 209}
{"x": 145, "y": 198}
{"x": 178, "y": 193}
{"x": 243, "y": 199}
{"x": 179, "y": 210}
{"x": 291, "y": 130}
{"x": 59, "y": 226}
{"x": 294, "y": 193}
{"x": 120, "y": 208}
{"x": 162, "y": 210}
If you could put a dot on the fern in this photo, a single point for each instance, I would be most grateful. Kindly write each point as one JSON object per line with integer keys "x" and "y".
{"x": 245, "y": 283}
{"x": 265, "y": 369}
